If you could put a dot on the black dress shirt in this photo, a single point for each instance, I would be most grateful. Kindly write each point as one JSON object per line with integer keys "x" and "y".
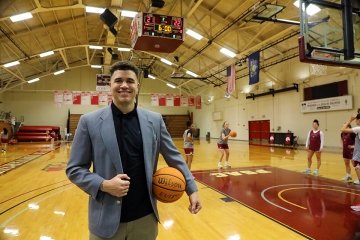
{"x": 136, "y": 203}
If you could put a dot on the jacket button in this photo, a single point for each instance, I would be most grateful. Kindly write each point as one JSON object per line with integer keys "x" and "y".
{"x": 118, "y": 202}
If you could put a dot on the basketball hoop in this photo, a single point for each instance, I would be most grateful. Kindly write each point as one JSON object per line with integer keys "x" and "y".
{"x": 318, "y": 70}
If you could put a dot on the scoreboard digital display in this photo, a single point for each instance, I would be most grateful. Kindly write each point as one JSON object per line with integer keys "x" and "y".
{"x": 156, "y": 33}
{"x": 163, "y": 26}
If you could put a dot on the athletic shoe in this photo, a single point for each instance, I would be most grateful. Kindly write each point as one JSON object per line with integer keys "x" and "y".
{"x": 347, "y": 178}
{"x": 357, "y": 182}
{"x": 307, "y": 171}
{"x": 219, "y": 165}
{"x": 316, "y": 172}
{"x": 227, "y": 165}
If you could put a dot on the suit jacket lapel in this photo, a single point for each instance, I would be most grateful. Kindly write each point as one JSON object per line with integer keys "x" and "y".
{"x": 149, "y": 139}
{"x": 108, "y": 135}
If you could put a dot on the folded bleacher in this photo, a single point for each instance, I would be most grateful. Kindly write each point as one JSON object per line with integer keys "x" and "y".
{"x": 38, "y": 133}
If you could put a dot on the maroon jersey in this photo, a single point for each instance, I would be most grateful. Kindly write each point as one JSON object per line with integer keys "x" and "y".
{"x": 348, "y": 139}
{"x": 314, "y": 141}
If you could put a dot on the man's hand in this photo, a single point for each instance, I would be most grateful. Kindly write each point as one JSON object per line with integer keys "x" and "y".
{"x": 195, "y": 204}
{"x": 118, "y": 186}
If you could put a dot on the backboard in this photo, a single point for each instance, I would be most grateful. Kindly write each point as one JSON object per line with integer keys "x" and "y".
{"x": 330, "y": 36}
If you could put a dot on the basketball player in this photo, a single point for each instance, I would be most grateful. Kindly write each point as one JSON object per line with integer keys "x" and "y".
{"x": 223, "y": 145}
{"x": 189, "y": 143}
{"x": 314, "y": 144}
{"x": 122, "y": 142}
{"x": 348, "y": 141}
{"x": 4, "y": 139}
{"x": 356, "y": 153}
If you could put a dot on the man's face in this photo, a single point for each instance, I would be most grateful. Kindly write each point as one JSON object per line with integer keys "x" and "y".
{"x": 124, "y": 87}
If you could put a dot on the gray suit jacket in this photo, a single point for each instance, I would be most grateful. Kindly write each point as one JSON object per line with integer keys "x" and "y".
{"x": 95, "y": 144}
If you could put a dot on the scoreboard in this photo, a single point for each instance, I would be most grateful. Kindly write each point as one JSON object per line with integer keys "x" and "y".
{"x": 158, "y": 33}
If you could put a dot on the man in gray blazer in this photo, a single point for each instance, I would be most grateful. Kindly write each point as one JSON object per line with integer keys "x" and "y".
{"x": 122, "y": 143}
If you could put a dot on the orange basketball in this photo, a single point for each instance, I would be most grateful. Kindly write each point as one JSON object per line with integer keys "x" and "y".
{"x": 168, "y": 184}
{"x": 233, "y": 134}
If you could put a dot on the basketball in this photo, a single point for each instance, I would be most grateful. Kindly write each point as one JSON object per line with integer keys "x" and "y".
{"x": 233, "y": 134}
{"x": 168, "y": 184}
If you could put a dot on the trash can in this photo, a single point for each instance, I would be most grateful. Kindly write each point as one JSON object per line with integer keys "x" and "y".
{"x": 208, "y": 136}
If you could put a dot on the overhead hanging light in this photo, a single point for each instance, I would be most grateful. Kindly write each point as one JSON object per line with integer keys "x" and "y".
{"x": 227, "y": 52}
{"x": 170, "y": 85}
{"x": 45, "y": 54}
{"x": 194, "y": 34}
{"x": 166, "y": 61}
{"x": 21, "y": 17}
{"x": 33, "y": 80}
{"x": 10, "y": 64}
{"x": 126, "y": 13}
{"x": 94, "y": 9}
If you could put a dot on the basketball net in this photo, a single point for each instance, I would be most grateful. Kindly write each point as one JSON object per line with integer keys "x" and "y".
{"x": 318, "y": 70}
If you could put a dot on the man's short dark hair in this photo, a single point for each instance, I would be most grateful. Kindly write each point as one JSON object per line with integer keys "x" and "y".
{"x": 358, "y": 116}
{"x": 124, "y": 65}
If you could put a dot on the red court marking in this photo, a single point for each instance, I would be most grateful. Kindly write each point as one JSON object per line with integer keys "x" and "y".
{"x": 315, "y": 207}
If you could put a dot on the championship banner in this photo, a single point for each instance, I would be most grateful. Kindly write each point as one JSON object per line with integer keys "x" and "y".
{"x": 67, "y": 97}
{"x": 154, "y": 100}
{"x": 184, "y": 101}
{"x": 254, "y": 68}
{"x": 103, "y": 82}
{"x": 94, "y": 98}
{"x": 85, "y": 98}
{"x": 169, "y": 100}
{"x": 191, "y": 101}
{"x": 177, "y": 101}
{"x": 198, "y": 102}
{"x": 103, "y": 99}
{"x": 327, "y": 104}
{"x": 58, "y": 97}
{"x": 76, "y": 98}
{"x": 162, "y": 100}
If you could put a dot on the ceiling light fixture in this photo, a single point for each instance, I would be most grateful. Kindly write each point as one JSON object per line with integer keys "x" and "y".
{"x": 21, "y": 17}
{"x": 33, "y": 80}
{"x": 124, "y": 49}
{"x": 94, "y": 10}
{"x": 95, "y": 47}
{"x": 191, "y": 73}
{"x": 59, "y": 72}
{"x": 166, "y": 61}
{"x": 10, "y": 64}
{"x": 311, "y": 10}
{"x": 194, "y": 34}
{"x": 227, "y": 52}
{"x": 126, "y": 13}
{"x": 151, "y": 76}
{"x": 170, "y": 85}
{"x": 96, "y": 66}
{"x": 45, "y": 54}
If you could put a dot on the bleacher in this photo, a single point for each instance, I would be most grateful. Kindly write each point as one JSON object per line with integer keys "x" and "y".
{"x": 38, "y": 133}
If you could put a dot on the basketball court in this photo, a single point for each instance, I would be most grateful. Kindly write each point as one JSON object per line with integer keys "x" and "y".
{"x": 309, "y": 51}
{"x": 265, "y": 190}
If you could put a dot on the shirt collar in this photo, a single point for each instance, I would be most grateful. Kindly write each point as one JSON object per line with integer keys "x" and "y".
{"x": 118, "y": 113}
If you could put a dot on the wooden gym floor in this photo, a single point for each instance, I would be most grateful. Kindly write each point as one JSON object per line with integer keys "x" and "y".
{"x": 38, "y": 202}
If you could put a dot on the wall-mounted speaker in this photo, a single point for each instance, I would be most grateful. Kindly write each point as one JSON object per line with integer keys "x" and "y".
{"x": 157, "y": 3}
{"x": 146, "y": 73}
{"x": 108, "y": 18}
